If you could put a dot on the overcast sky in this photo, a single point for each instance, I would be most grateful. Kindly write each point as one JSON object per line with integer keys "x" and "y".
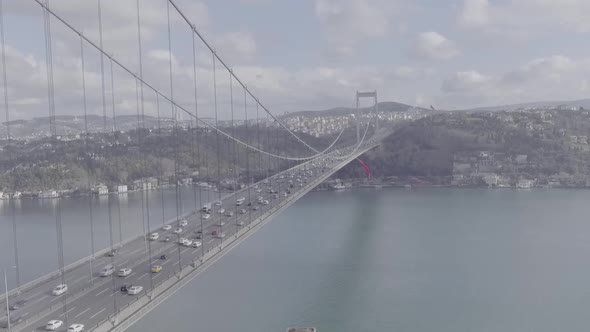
{"x": 306, "y": 54}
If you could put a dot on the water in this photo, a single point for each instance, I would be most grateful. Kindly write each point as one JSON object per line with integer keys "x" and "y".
{"x": 396, "y": 260}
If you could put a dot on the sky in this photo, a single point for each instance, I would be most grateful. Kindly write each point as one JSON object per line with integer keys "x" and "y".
{"x": 297, "y": 54}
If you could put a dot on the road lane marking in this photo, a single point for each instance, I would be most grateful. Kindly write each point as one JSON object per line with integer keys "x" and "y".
{"x": 184, "y": 250}
{"x": 102, "y": 291}
{"x": 98, "y": 313}
{"x": 142, "y": 276}
{"x": 210, "y": 241}
{"x": 26, "y": 313}
{"x": 129, "y": 276}
{"x": 82, "y": 313}
{"x": 72, "y": 308}
{"x": 176, "y": 263}
{"x": 81, "y": 278}
{"x": 123, "y": 263}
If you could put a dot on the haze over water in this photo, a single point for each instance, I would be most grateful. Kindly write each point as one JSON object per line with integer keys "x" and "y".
{"x": 372, "y": 260}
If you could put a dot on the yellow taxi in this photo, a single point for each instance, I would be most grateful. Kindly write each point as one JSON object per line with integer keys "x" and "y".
{"x": 156, "y": 268}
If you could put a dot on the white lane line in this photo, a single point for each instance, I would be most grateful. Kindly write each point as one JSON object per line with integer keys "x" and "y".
{"x": 176, "y": 263}
{"x": 40, "y": 299}
{"x": 56, "y": 298}
{"x": 82, "y": 313}
{"x": 210, "y": 241}
{"x": 184, "y": 250}
{"x": 142, "y": 276}
{"x": 26, "y": 313}
{"x": 102, "y": 291}
{"x": 72, "y": 308}
{"x": 129, "y": 276}
{"x": 123, "y": 263}
{"x": 79, "y": 279}
{"x": 98, "y": 313}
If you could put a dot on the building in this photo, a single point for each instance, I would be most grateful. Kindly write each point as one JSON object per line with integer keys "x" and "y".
{"x": 48, "y": 194}
{"x": 101, "y": 189}
{"x": 2, "y": 195}
{"x": 491, "y": 179}
{"x": 525, "y": 184}
{"x": 122, "y": 188}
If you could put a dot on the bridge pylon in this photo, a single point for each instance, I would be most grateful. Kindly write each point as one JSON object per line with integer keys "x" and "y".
{"x": 369, "y": 94}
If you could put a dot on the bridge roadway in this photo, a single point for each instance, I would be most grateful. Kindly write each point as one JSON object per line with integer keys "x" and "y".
{"x": 92, "y": 298}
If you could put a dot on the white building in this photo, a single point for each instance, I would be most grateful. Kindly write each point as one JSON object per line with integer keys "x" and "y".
{"x": 525, "y": 184}
{"x": 122, "y": 188}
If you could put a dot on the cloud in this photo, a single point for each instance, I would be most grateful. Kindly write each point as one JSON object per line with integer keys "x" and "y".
{"x": 550, "y": 78}
{"x": 346, "y": 23}
{"x": 474, "y": 13}
{"x": 434, "y": 46}
{"x": 236, "y": 46}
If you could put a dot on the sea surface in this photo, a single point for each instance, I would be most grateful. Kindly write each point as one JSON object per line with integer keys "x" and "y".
{"x": 418, "y": 260}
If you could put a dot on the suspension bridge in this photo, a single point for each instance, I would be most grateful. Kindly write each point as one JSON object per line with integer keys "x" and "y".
{"x": 113, "y": 287}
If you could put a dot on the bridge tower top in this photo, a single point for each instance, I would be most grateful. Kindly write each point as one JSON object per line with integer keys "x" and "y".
{"x": 369, "y": 94}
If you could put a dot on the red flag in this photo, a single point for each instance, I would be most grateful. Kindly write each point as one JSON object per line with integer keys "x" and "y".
{"x": 367, "y": 170}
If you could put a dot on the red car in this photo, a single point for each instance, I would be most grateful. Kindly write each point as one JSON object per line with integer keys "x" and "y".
{"x": 214, "y": 233}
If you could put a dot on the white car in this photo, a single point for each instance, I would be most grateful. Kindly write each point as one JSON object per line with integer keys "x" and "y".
{"x": 107, "y": 271}
{"x": 134, "y": 290}
{"x": 265, "y": 202}
{"x": 196, "y": 244}
{"x": 154, "y": 236}
{"x": 206, "y": 216}
{"x": 183, "y": 222}
{"x": 124, "y": 272}
{"x": 284, "y": 194}
{"x": 187, "y": 243}
{"x": 178, "y": 230}
{"x": 76, "y": 328}
{"x": 240, "y": 223}
{"x": 166, "y": 227}
{"x": 218, "y": 203}
{"x": 221, "y": 223}
{"x": 60, "y": 289}
{"x": 53, "y": 325}
{"x": 221, "y": 211}
{"x": 259, "y": 190}
{"x": 242, "y": 211}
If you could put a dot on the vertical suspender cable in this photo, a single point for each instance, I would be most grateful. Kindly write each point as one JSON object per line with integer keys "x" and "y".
{"x": 217, "y": 144}
{"x": 144, "y": 201}
{"x": 161, "y": 166}
{"x": 234, "y": 152}
{"x": 51, "y": 100}
{"x": 9, "y": 148}
{"x": 197, "y": 133}
{"x": 104, "y": 116}
{"x": 175, "y": 143}
{"x": 88, "y": 160}
{"x": 114, "y": 138}
{"x": 247, "y": 139}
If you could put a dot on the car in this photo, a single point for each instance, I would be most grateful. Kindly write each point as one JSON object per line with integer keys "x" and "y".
{"x": 218, "y": 203}
{"x": 275, "y": 196}
{"x": 113, "y": 253}
{"x": 249, "y": 203}
{"x": 181, "y": 240}
{"x": 242, "y": 211}
{"x": 265, "y": 202}
{"x": 199, "y": 236}
{"x": 259, "y": 190}
{"x": 60, "y": 289}
{"x": 166, "y": 239}
{"x": 124, "y": 272}
{"x": 178, "y": 230}
{"x": 284, "y": 194}
{"x": 221, "y": 223}
{"x": 17, "y": 305}
{"x": 134, "y": 290}
{"x": 125, "y": 287}
{"x": 107, "y": 271}
{"x": 229, "y": 214}
{"x": 183, "y": 222}
{"x": 255, "y": 208}
{"x": 221, "y": 211}
{"x": 76, "y": 328}
{"x": 196, "y": 244}
{"x": 240, "y": 223}
{"x": 154, "y": 236}
{"x": 156, "y": 269}
{"x": 166, "y": 227}
{"x": 255, "y": 186}
{"x": 163, "y": 257}
{"x": 214, "y": 233}
{"x": 53, "y": 325}
{"x": 220, "y": 235}
{"x": 206, "y": 216}
{"x": 187, "y": 242}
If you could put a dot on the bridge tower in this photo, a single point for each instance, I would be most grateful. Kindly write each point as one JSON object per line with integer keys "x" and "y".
{"x": 370, "y": 94}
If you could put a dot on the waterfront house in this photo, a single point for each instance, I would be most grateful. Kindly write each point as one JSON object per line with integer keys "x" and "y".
{"x": 122, "y": 188}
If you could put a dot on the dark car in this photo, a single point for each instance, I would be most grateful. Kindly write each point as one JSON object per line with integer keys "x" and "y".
{"x": 163, "y": 257}
{"x": 199, "y": 236}
{"x": 214, "y": 233}
{"x": 17, "y": 305}
{"x": 125, "y": 287}
{"x": 113, "y": 253}
{"x": 249, "y": 203}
